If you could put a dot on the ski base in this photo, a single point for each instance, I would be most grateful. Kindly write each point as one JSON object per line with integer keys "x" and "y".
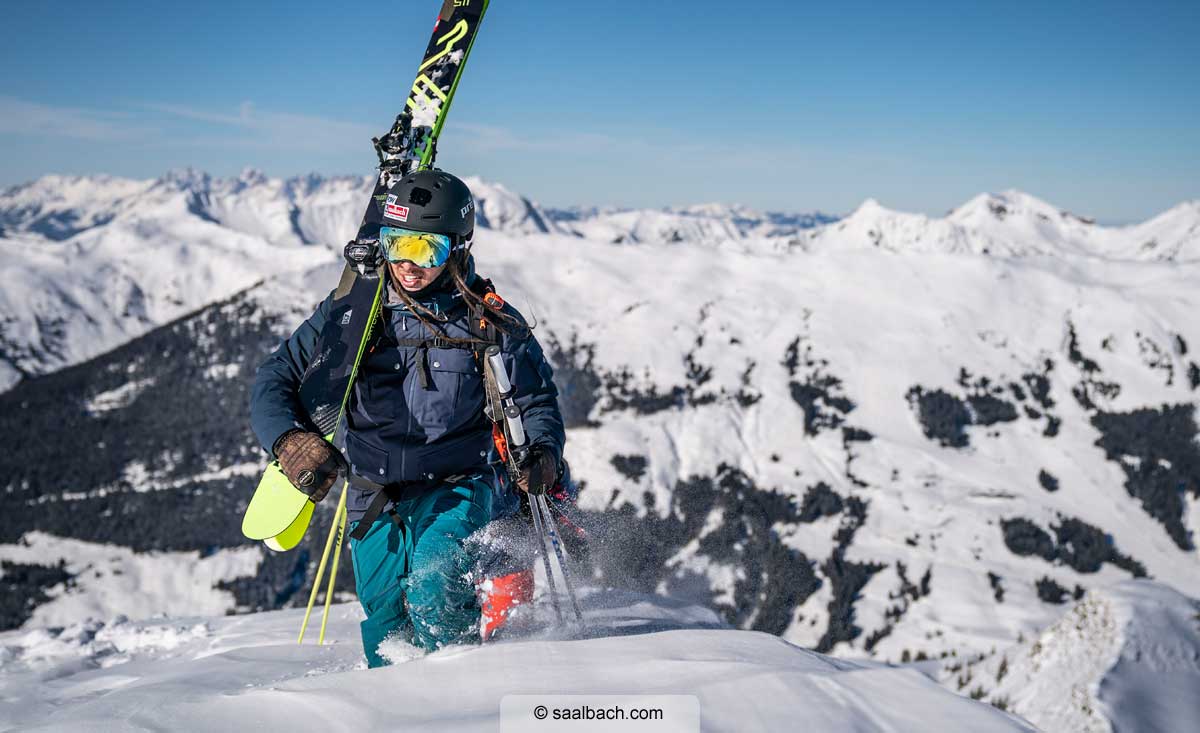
{"x": 275, "y": 506}
{"x": 290, "y": 537}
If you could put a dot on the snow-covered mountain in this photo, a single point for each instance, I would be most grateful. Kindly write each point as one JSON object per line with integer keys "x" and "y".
{"x": 1015, "y": 224}
{"x": 890, "y": 436}
{"x": 713, "y": 223}
{"x": 87, "y": 263}
{"x": 91, "y": 262}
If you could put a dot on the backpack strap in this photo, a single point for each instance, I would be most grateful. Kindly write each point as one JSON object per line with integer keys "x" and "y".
{"x": 481, "y": 326}
{"x": 483, "y": 332}
{"x": 483, "y": 329}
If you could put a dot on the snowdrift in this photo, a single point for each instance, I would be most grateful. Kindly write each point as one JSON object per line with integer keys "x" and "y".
{"x": 247, "y": 673}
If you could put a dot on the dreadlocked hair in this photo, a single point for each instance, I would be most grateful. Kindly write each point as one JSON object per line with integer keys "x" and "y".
{"x": 455, "y": 266}
{"x": 506, "y": 323}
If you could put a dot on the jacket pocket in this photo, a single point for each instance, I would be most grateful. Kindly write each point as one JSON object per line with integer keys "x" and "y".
{"x": 365, "y": 459}
{"x": 379, "y": 389}
{"x": 455, "y": 393}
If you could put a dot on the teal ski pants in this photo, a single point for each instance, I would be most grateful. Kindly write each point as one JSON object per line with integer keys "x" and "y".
{"x": 411, "y": 569}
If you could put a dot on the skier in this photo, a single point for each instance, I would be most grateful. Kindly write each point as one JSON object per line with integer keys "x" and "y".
{"x": 423, "y": 464}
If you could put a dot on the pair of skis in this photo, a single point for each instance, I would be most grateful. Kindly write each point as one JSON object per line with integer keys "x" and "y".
{"x": 278, "y": 513}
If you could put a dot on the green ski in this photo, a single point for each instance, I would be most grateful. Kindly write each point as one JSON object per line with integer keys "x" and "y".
{"x": 279, "y": 513}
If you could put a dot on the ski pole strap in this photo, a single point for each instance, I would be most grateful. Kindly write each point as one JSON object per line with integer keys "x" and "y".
{"x": 495, "y": 408}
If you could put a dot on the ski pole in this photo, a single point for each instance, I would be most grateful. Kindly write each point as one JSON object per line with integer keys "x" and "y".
{"x": 340, "y": 522}
{"x": 540, "y": 532}
{"x": 312, "y": 597}
{"x": 552, "y": 532}
{"x": 501, "y": 391}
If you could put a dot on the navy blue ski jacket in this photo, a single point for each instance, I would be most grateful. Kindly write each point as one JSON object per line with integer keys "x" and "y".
{"x": 398, "y": 430}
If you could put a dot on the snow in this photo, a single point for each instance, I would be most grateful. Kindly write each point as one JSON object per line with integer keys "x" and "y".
{"x": 88, "y": 263}
{"x": 883, "y": 322}
{"x": 1172, "y": 235}
{"x": 112, "y": 581}
{"x": 137, "y": 476}
{"x": 247, "y": 672}
{"x": 1123, "y": 658}
{"x": 499, "y": 208}
{"x": 1154, "y": 683}
{"x": 716, "y": 223}
{"x": 117, "y": 397}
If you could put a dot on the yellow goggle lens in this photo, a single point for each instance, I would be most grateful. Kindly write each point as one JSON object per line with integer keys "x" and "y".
{"x": 423, "y": 249}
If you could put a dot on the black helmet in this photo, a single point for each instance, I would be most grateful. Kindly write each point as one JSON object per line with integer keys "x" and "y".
{"x": 430, "y": 201}
{"x": 425, "y": 200}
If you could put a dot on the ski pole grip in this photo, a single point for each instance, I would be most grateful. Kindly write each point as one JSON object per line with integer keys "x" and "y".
{"x": 516, "y": 427}
{"x": 512, "y": 413}
{"x": 496, "y": 364}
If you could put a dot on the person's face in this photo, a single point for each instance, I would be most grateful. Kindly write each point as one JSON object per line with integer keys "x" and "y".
{"x": 413, "y": 278}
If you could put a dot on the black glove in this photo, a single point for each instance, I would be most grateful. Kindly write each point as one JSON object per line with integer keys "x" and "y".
{"x": 539, "y": 472}
{"x": 309, "y": 462}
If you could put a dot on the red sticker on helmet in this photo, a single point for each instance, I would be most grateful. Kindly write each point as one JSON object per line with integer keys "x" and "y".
{"x": 393, "y": 210}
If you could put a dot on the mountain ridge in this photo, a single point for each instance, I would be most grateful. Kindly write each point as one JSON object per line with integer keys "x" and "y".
{"x": 162, "y": 246}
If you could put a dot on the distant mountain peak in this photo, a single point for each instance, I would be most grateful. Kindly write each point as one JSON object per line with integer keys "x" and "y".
{"x": 871, "y": 207}
{"x": 1012, "y": 203}
{"x": 186, "y": 177}
{"x": 252, "y": 176}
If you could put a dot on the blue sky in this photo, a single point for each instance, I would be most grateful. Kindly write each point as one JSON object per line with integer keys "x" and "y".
{"x": 1094, "y": 106}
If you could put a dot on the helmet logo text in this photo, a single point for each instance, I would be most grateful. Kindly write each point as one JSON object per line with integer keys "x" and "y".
{"x": 393, "y": 210}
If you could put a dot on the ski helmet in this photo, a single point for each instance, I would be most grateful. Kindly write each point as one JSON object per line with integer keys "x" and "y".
{"x": 431, "y": 201}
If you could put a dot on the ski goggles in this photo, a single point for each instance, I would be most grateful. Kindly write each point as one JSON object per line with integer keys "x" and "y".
{"x": 423, "y": 249}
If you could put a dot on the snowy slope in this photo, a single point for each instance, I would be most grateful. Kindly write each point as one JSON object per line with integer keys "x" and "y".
{"x": 221, "y": 674}
{"x": 887, "y": 485}
{"x": 1172, "y": 235}
{"x": 846, "y": 368}
{"x": 1122, "y": 658}
{"x": 102, "y": 261}
{"x": 500, "y": 209}
{"x": 109, "y": 581}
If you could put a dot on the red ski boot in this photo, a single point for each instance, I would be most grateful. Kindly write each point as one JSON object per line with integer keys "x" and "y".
{"x": 499, "y": 596}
